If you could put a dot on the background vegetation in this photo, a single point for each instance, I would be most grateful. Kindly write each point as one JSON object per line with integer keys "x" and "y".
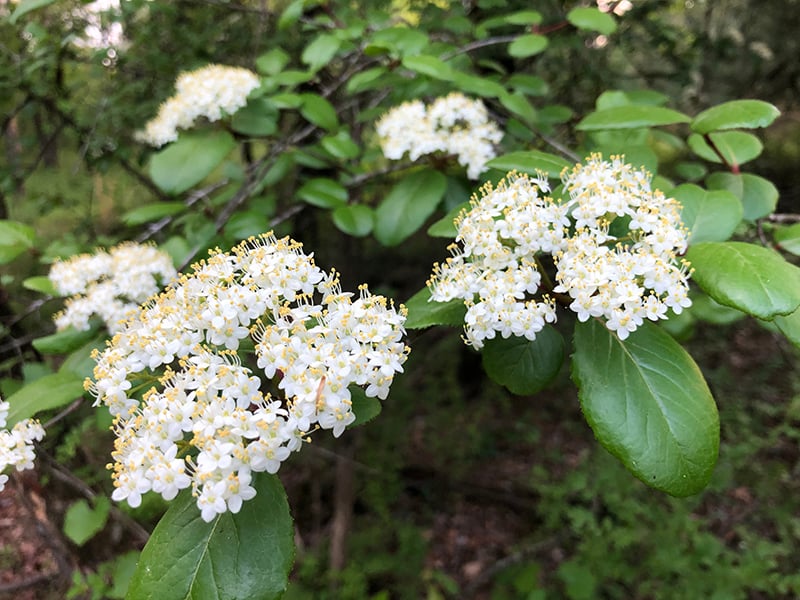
{"x": 459, "y": 489}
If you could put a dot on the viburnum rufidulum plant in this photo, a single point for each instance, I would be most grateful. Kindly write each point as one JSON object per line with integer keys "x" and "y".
{"x": 615, "y": 245}
{"x": 16, "y": 444}
{"x": 233, "y": 367}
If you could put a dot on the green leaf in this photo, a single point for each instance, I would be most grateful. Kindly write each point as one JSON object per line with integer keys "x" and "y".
{"x": 188, "y": 161}
{"x": 272, "y": 62}
{"x": 631, "y": 117}
{"x": 736, "y": 114}
{"x": 292, "y": 77}
{"x": 446, "y": 227}
{"x": 429, "y": 65}
{"x": 80, "y": 362}
{"x": 400, "y": 41}
{"x": 259, "y": 118}
{"x": 524, "y": 17}
{"x": 15, "y": 238}
{"x": 648, "y": 405}
{"x": 41, "y": 284}
{"x": 320, "y": 51}
{"x": 531, "y": 85}
{"x": 365, "y": 407}
{"x": 408, "y": 205}
{"x": 423, "y": 312}
{"x": 518, "y": 104}
{"x": 341, "y": 145}
{"x": 527, "y": 45}
{"x": 524, "y": 366}
{"x": 759, "y": 196}
{"x": 709, "y": 216}
{"x": 315, "y": 109}
{"x": 789, "y": 325}
{"x": 354, "y": 219}
{"x": 365, "y": 80}
{"x": 291, "y": 14}
{"x": 736, "y": 147}
{"x": 26, "y": 6}
{"x": 286, "y": 100}
{"x": 323, "y": 192}
{"x": 751, "y": 278}
{"x": 243, "y": 555}
{"x": 788, "y": 238}
{"x": 246, "y": 223}
{"x": 82, "y": 522}
{"x": 64, "y": 341}
{"x": 705, "y": 308}
{"x": 593, "y": 20}
{"x": 480, "y": 86}
{"x": 530, "y": 161}
{"x": 51, "y": 391}
{"x": 152, "y": 212}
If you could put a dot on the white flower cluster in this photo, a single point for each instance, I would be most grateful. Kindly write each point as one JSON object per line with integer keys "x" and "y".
{"x": 16, "y": 445}
{"x": 208, "y": 421}
{"x": 109, "y": 284}
{"x": 213, "y": 92}
{"x": 614, "y": 244}
{"x": 453, "y": 124}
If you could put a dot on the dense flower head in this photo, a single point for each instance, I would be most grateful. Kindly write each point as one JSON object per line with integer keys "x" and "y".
{"x": 613, "y": 242}
{"x": 109, "y": 283}
{"x": 16, "y": 444}
{"x": 453, "y": 124}
{"x": 213, "y": 92}
{"x": 240, "y": 362}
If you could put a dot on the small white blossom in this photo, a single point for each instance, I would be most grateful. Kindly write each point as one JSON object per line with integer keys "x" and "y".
{"x": 16, "y": 444}
{"x": 213, "y": 92}
{"x": 453, "y": 124}
{"x": 109, "y": 284}
{"x": 206, "y": 422}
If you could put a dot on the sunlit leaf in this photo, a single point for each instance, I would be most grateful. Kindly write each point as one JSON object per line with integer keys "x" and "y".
{"x": 593, "y": 20}
{"x": 709, "y": 216}
{"x": 424, "y": 312}
{"x": 759, "y": 196}
{"x": 527, "y": 45}
{"x": 15, "y": 238}
{"x": 631, "y": 117}
{"x": 408, "y": 205}
{"x": 82, "y": 522}
{"x": 51, "y": 391}
{"x": 736, "y": 114}
{"x": 319, "y": 111}
{"x": 736, "y": 147}
{"x": 530, "y": 162}
{"x": 354, "y": 219}
{"x": 320, "y": 51}
{"x": 323, "y": 192}
{"x": 152, "y": 212}
{"x": 788, "y": 238}
{"x": 186, "y": 162}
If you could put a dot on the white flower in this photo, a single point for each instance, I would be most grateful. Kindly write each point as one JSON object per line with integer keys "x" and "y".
{"x": 109, "y": 284}
{"x": 16, "y": 444}
{"x": 206, "y": 421}
{"x": 453, "y": 124}
{"x": 213, "y": 92}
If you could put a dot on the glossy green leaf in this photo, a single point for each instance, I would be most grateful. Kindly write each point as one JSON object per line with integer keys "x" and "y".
{"x": 788, "y": 238}
{"x": 751, "y": 278}
{"x": 286, "y": 100}
{"x": 736, "y": 114}
{"x": 319, "y": 111}
{"x": 709, "y": 216}
{"x": 705, "y": 308}
{"x": 323, "y": 192}
{"x": 648, "y": 405}
{"x": 524, "y": 17}
{"x": 736, "y": 147}
{"x": 480, "y": 86}
{"x": 354, "y": 219}
{"x": 592, "y": 19}
{"x": 272, "y": 62}
{"x": 246, "y": 223}
{"x": 15, "y": 238}
{"x": 365, "y": 80}
{"x": 789, "y": 325}
{"x": 64, "y": 341}
{"x": 188, "y": 161}
{"x": 759, "y": 196}
{"x": 243, "y": 555}
{"x": 518, "y": 104}
{"x": 408, "y": 205}
{"x": 527, "y": 45}
{"x": 530, "y": 161}
{"x": 82, "y": 522}
{"x": 320, "y": 51}
{"x": 365, "y": 407}
{"x": 152, "y": 212}
{"x": 341, "y": 145}
{"x": 631, "y": 117}
{"x": 523, "y": 366}
{"x": 258, "y": 119}
{"x": 424, "y": 312}
{"x": 51, "y": 391}
{"x": 41, "y": 284}
{"x": 428, "y": 65}
{"x": 446, "y": 227}
{"x": 26, "y": 6}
